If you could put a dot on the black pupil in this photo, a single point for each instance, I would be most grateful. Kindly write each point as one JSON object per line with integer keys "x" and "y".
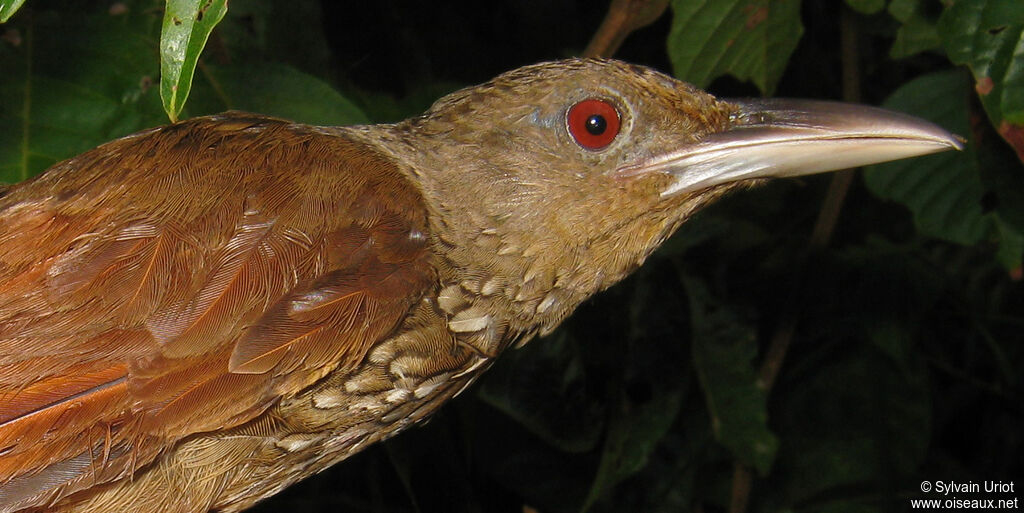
{"x": 596, "y": 124}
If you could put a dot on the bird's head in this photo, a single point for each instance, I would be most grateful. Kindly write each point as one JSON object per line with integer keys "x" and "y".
{"x": 583, "y": 167}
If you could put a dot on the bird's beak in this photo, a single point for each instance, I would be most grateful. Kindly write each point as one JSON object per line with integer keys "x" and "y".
{"x": 769, "y": 138}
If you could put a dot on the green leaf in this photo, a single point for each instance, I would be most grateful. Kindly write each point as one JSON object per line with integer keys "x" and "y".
{"x": 724, "y": 353}
{"x": 649, "y": 394}
{"x": 748, "y": 39}
{"x": 1011, "y": 247}
{"x": 988, "y": 37}
{"x": 187, "y": 25}
{"x": 76, "y": 80}
{"x": 82, "y": 77}
{"x": 944, "y": 191}
{"x": 385, "y": 108}
{"x": 1003, "y": 177}
{"x": 852, "y": 421}
{"x": 633, "y": 434}
{"x": 917, "y": 32}
{"x": 8, "y": 8}
{"x": 855, "y": 403}
{"x": 276, "y": 90}
{"x": 866, "y": 6}
{"x": 543, "y": 388}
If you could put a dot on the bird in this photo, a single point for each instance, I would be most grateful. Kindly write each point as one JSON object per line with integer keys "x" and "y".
{"x": 198, "y": 315}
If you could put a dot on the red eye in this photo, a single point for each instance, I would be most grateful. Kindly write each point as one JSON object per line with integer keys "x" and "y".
{"x": 593, "y": 123}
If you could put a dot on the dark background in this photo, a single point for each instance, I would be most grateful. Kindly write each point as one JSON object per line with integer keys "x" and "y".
{"x": 957, "y": 424}
{"x": 906, "y": 354}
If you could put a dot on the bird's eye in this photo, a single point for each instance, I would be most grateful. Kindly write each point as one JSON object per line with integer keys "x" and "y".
{"x": 593, "y": 123}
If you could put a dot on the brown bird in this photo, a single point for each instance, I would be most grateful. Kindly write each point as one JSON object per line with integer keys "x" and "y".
{"x": 196, "y": 316}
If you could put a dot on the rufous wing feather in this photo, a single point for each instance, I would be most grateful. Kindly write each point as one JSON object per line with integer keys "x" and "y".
{"x": 143, "y": 300}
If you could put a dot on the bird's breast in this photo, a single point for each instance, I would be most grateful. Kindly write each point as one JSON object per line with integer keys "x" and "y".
{"x": 449, "y": 339}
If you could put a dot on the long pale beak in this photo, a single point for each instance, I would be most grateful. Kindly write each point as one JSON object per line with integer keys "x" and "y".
{"x": 778, "y": 138}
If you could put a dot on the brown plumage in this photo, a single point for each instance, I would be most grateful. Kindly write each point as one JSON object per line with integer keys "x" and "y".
{"x": 195, "y": 316}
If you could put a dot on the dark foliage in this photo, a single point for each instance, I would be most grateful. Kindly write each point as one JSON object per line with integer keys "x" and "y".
{"x": 906, "y": 347}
